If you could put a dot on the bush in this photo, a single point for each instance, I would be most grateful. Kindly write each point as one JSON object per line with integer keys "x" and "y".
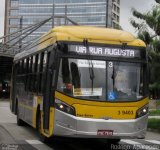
{"x": 154, "y": 112}
{"x": 154, "y": 124}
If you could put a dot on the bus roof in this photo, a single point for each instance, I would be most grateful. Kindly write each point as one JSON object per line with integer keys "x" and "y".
{"x": 93, "y": 34}
{"x": 79, "y": 33}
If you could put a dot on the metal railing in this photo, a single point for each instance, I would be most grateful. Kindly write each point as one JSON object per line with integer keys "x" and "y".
{"x": 15, "y": 45}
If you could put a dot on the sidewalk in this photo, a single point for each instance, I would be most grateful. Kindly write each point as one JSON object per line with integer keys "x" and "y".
{"x": 4, "y": 99}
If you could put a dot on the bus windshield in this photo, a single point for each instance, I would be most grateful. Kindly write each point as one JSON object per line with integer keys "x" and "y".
{"x": 100, "y": 80}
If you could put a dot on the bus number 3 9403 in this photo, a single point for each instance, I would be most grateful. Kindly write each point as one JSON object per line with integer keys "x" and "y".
{"x": 125, "y": 112}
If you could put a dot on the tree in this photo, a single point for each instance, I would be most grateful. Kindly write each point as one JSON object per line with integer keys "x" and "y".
{"x": 150, "y": 21}
{"x": 158, "y": 1}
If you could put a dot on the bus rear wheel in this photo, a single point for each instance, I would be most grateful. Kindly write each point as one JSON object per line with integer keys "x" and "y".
{"x": 20, "y": 122}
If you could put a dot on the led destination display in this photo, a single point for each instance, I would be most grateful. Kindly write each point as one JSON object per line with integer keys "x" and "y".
{"x": 105, "y": 51}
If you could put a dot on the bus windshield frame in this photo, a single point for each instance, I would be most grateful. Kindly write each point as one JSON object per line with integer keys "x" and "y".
{"x": 95, "y": 66}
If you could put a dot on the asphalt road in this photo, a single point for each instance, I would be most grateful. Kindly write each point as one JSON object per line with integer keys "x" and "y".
{"x": 13, "y": 137}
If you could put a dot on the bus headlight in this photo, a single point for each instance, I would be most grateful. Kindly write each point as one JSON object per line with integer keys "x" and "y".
{"x": 3, "y": 90}
{"x": 142, "y": 111}
{"x": 64, "y": 107}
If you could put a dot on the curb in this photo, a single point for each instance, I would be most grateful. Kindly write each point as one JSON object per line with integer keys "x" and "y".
{"x": 4, "y": 100}
{"x": 153, "y": 117}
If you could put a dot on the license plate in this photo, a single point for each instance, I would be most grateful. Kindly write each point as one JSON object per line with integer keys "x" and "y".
{"x": 105, "y": 132}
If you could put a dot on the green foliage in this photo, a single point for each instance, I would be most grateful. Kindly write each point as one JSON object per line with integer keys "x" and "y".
{"x": 158, "y": 102}
{"x": 157, "y": 1}
{"x": 150, "y": 21}
{"x": 154, "y": 71}
{"x": 154, "y": 112}
{"x": 154, "y": 124}
{"x": 138, "y": 14}
{"x": 156, "y": 45}
{"x": 145, "y": 36}
{"x": 118, "y": 27}
{"x": 152, "y": 18}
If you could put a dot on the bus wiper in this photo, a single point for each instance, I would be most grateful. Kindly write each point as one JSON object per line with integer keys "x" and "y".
{"x": 91, "y": 71}
{"x": 113, "y": 78}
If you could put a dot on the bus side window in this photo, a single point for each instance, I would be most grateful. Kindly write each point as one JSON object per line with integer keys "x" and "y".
{"x": 65, "y": 71}
{"x": 45, "y": 61}
{"x": 18, "y": 66}
{"x": 20, "y": 78}
{"x": 33, "y": 64}
{"x": 40, "y": 62}
{"x": 27, "y": 76}
{"x": 22, "y": 67}
{"x": 38, "y": 72}
{"x": 35, "y": 74}
{"x": 45, "y": 66}
{"x": 32, "y": 74}
{"x": 24, "y": 72}
{"x": 67, "y": 85}
{"x": 25, "y": 62}
{"x": 75, "y": 75}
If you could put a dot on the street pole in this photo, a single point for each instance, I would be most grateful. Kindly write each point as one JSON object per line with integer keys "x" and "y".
{"x": 65, "y": 14}
{"x": 53, "y": 11}
{"x": 107, "y": 3}
{"x": 20, "y": 41}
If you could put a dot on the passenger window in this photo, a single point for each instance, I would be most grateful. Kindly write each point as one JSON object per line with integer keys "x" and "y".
{"x": 33, "y": 64}
{"x": 45, "y": 61}
{"x": 40, "y": 62}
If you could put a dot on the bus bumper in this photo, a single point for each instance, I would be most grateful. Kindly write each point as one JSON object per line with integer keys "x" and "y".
{"x": 72, "y": 126}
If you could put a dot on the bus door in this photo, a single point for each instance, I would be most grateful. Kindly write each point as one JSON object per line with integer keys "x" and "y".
{"x": 48, "y": 91}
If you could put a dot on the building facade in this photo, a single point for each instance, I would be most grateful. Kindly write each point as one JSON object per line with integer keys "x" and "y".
{"x": 115, "y": 13}
{"x": 85, "y": 12}
{"x": 11, "y": 22}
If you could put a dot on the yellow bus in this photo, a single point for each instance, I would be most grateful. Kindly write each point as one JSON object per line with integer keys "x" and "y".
{"x": 82, "y": 82}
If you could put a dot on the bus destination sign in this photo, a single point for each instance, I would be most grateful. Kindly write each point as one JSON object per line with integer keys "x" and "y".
{"x": 105, "y": 51}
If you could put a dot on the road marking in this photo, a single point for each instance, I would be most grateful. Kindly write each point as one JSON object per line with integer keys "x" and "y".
{"x": 140, "y": 145}
{"x": 153, "y": 141}
{"x": 130, "y": 142}
{"x": 33, "y": 142}
{"x": 38, "y": 145}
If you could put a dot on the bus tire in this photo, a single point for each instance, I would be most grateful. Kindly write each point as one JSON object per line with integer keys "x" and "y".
{"x": 38, "y": 128}
{"x": 20, "y": 122}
